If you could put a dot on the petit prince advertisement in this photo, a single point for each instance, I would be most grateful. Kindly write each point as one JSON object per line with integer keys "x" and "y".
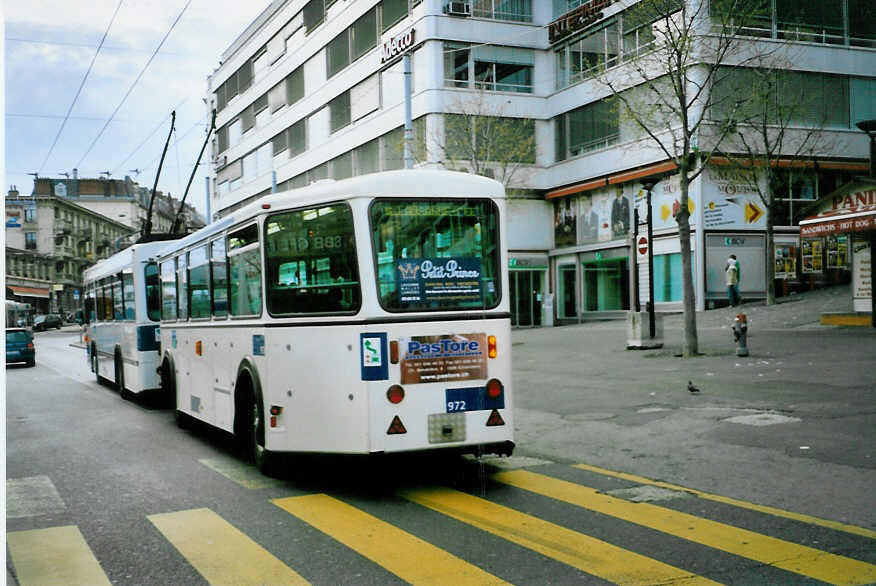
{"x": 423, "y": 280}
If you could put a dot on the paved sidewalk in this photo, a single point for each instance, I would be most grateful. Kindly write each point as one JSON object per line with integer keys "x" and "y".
{"x": 580, "y": 396}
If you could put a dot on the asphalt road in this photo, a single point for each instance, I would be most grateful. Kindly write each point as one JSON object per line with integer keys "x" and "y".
{"x": 102, "y": 490}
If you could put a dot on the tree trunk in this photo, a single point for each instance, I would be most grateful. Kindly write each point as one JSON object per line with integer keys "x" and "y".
{"x": 771, "y": 258}
{"x": 690, "y": 346}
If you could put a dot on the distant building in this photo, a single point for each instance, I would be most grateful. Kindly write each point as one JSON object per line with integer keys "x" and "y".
{"x": 314, "y": 89}
{"x": 68, "y": 224}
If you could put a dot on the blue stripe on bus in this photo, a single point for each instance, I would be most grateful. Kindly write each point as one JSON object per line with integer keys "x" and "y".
{"x": 147, "y": 338}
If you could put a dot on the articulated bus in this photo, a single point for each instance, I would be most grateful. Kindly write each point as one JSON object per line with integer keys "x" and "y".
{"x": 122, "y": 312}
{"x": 362, "y": 316}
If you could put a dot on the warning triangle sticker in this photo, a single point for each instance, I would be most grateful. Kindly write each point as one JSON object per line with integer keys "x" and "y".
{"x": 396, "y": 427}
{"x": 495, "y": 419}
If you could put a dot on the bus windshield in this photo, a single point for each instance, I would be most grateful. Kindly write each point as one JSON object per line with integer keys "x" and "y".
{"x": 436, "y": 254}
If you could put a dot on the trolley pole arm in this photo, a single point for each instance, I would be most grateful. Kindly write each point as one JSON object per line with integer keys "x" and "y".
{"x": 147, "y": 227}
{"x": 182, "y": 203}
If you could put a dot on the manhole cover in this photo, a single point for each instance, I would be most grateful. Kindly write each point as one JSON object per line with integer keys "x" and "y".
{"x": 648, "y": 494}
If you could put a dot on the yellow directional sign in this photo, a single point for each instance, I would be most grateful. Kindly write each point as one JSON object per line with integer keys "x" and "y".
{"x": 752, "y": 212}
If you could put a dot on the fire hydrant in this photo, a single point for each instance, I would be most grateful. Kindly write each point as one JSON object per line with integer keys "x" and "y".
{"x": 740, "y": 334}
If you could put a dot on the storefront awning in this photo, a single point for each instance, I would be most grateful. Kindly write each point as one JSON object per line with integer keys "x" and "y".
{"x": 29, "y": 291}
{"x": 615, "y": 179}
{"x": 857, "y": 219}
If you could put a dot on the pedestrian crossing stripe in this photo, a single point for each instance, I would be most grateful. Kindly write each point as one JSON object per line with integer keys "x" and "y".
{"x": 54, "y": 556}
{"x": 220, "y": 552}
{"x": 580, "y": 551}
{"x": 788, "y": 556}
{"x": 862, "y": 531}
{"x": 407, "y": 556}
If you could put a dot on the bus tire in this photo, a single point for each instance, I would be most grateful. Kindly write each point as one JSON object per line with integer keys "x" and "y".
{"x": 168, "y": 387}
{"x": 95, "y": 365}
{"x": 250, "y": 424}
{"x": 120, "y": 376}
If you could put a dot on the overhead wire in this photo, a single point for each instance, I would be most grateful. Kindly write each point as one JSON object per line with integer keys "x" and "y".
{"x": 149, "y": 136}
{"x": 81, "y": 85}
{"x": 136, "y": 81}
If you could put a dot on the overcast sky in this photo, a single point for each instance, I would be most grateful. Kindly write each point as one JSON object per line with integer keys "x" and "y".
{"x": 49, "y": 46}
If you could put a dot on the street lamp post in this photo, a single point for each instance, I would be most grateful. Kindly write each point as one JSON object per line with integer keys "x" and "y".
{"x": 869, "y": 126}
{"x": 648, "y": 185}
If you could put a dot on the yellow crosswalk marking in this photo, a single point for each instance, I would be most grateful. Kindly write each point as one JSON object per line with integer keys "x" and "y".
{"x": 57, "y": 555}
{"x": 220, "y": 552}
{"x": 735, "y": 502}
{"x": 408, "y": 557}
{"x": 570, "y": 547}
{"x": 788, "y": 556}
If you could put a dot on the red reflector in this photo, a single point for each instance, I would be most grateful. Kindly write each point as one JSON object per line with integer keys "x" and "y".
{"x": 199, "y": 349}
{"x": 266, "y": 206}
{"x": 396, "y": 427}
{"x": 393, "y": 352}
{"x": 494, "y": 388}
{"x": 273, "y": 421}
{"x": 495, "y": 419}
{"x": 492, "y": 351}
{"x": 395, "y": 394}
{"x": 276, "y": 409}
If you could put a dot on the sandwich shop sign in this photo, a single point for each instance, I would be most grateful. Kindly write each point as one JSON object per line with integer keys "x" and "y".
{"x": 397, "y": 45}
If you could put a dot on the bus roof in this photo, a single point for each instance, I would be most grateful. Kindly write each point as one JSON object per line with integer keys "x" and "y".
{"x": 117, "y": 262}
{"x": 401, "y": 183}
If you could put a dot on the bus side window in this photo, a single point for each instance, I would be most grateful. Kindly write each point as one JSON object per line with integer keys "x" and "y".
{"x": 168, "y": 290}
{"x": 128, "y": 295}
{"x": 219, "y": 278}
{"x": 245, "y": 271}
{"x": 153, "y": 291}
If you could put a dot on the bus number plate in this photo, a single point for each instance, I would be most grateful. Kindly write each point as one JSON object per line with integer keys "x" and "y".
{"x": 459, "y": 400}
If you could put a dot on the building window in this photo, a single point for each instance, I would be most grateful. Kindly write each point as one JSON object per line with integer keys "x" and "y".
{"x": 365, "y": 33}
{"x": 587, "y": 128}
{"x": 30, "y": 240}
{"x": 342, "y": 166}
{"x": 339, "y": 110}
{"x": 489, "y": 139}
{"x": 314, "y": 14}
{"x": 295, "y": 86}
{"x": 514, "y": 10}
{"x": 30, "y": 214}
{"x": 367, "y": 157}
{"x": 338, "y": 53}
{"x": 392, "y": 11}
{"x": 505, "y": 69}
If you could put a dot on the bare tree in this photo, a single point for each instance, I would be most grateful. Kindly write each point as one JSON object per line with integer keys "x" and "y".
{"x": 771, "y": 119}
{"x": 664, "y": 89}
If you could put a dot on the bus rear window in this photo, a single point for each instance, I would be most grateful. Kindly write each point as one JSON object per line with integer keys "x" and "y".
{"x": 436, "y": 254}
{"x": 311, "y": 261}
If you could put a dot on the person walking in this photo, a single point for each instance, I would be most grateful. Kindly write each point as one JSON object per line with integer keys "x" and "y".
{"x": 731, "y": 276}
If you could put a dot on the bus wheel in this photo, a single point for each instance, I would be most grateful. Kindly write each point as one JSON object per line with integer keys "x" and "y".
{"x": 120, "y": 378}
{"x": 264, "y": 460}
{"x": 168, "y": 387}
{"x": 95, "y": 364}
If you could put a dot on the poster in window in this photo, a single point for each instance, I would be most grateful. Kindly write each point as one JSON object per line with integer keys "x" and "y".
{"x": 445, "y": 279}
{"x": 838, "y": 252}
{"x": 786, "y": 262}
{"x": 565, "y": 221}
{"x": 811, "y": 256}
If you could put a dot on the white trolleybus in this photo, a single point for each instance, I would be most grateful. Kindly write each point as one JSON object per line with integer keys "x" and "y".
{"x": 362, "y": 316}
{"x": 122, "y": 313}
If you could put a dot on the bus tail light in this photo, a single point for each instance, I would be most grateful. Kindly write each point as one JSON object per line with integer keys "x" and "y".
{"x": 396, "y": 427}
{"x": 492, "y": 350}
{"x": 393, "y": 352}
{"x": 275, "y": 410}
{"x": 395, "y": 394}
{"x": 494, "y": 388}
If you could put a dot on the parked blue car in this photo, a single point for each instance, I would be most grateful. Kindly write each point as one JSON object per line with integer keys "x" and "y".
{"x": 19, "y": 346}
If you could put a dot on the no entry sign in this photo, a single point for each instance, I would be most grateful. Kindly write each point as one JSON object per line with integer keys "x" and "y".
{"x": 642, "y": 246}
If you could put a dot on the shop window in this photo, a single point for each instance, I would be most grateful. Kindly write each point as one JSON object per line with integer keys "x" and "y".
{"x": 566, "y": 293}
{"x": 667, "y": 277}
{"x": 605, "y": 285}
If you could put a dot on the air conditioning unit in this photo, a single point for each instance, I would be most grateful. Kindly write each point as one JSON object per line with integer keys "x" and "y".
{"x": 458, "y": 8}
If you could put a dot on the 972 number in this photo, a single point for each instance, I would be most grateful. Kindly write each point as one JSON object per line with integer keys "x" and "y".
{"x": 455, "y": 406}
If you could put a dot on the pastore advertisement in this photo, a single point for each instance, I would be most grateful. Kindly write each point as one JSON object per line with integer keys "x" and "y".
{"x": 429, "y": 359}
